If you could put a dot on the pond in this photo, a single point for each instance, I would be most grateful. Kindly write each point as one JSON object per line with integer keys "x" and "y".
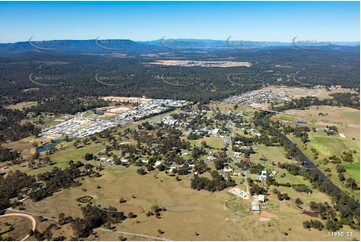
{"x": 85, "y": 199}
{"x": 49, "y": 146}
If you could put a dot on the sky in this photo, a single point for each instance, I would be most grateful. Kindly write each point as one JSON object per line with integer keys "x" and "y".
{"x": 256, "y": 21}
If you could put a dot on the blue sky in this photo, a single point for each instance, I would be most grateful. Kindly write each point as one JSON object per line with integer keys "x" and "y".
{"x": 261, "y": 21}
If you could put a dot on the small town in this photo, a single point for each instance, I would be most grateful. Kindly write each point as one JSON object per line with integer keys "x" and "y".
{"x": 81, "y": 126}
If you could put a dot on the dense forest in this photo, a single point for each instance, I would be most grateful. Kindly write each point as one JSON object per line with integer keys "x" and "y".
{"x": 44, "y": 76}
{"x": 13, "y": 127}
{"x": 67, "y": 83}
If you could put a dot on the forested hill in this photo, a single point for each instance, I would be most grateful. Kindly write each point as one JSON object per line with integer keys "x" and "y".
{"x": 77, "y": 46}
{"x": 98, "y": 45}
{"x": 46, "y": 75}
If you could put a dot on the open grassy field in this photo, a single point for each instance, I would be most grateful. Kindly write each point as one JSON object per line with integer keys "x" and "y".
{"x": 353, "y": 170}
{"x": 287, "y": 117}
{"x": 347, "y": 120}
{"x": 218, "y": 215}
{"x": 224, "y": 107}
{"x": 332, "y": 174}
{"x": 214, "y": 142}
{"x": 328, "y": 146}
{"x": 21, "y": 227}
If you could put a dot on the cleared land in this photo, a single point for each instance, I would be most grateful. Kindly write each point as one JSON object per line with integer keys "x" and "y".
{"x": 190, "y": 63}
{"x": 298, "y": 92}
{"x": 20, "y": 106}
{"x": 212, "y": 215}
{"x": 126, "y": 99}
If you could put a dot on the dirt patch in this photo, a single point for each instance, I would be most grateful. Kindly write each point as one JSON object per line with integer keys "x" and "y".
{"x": 312, "y": 214}
{"x": 190, "y": 63}
{"x": 126, "y": 99}
{"x": 298, "y": 92}
{"x": 264, "y": 219}
{"x": 115, "y": 111}
{"x": 267, "y": 216}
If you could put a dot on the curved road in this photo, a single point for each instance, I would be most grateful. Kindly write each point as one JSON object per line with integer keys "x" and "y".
{"x": 32, "y": 219}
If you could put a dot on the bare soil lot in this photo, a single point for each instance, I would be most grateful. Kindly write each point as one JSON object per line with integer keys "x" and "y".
{"x": 191, "y": 63}
{"x": 126, "y": 99}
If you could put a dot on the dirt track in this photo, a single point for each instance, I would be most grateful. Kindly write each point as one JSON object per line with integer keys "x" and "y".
{"x": 32, "y": 219}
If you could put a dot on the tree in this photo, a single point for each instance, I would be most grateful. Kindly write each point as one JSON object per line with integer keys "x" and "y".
{"x": 88, "y": 156}
{"x": 66, "y": 138}
{"x": 298, "y": 202}
{"x": 141, "y": 171}
{"x": 341, "y": 177}
{"x": 351, "y": 183}
{"x": 307, "y": 225}
{"x": 332, "y": 225}
{"x": 36, "y": 155}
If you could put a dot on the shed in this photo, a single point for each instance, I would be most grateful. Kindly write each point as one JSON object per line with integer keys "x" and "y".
{"x": 261, "y": 198}
{"x": 255, "y": 206}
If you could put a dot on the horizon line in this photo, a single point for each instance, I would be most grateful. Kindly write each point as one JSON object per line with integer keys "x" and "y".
{"x": 204, "y": 39}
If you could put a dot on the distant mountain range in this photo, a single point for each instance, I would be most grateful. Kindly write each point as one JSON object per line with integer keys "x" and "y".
{"x": 98, "y": 46}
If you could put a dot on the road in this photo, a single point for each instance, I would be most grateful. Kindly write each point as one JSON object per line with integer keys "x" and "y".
{"x": 229, "y": 140}
{"x": 133, "y": 234}
{"x": 26, "y": 216}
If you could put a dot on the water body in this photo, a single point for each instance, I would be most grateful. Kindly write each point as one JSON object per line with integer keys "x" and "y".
{"x": 301, "y": 122}
{"x": 49, "y": 146}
